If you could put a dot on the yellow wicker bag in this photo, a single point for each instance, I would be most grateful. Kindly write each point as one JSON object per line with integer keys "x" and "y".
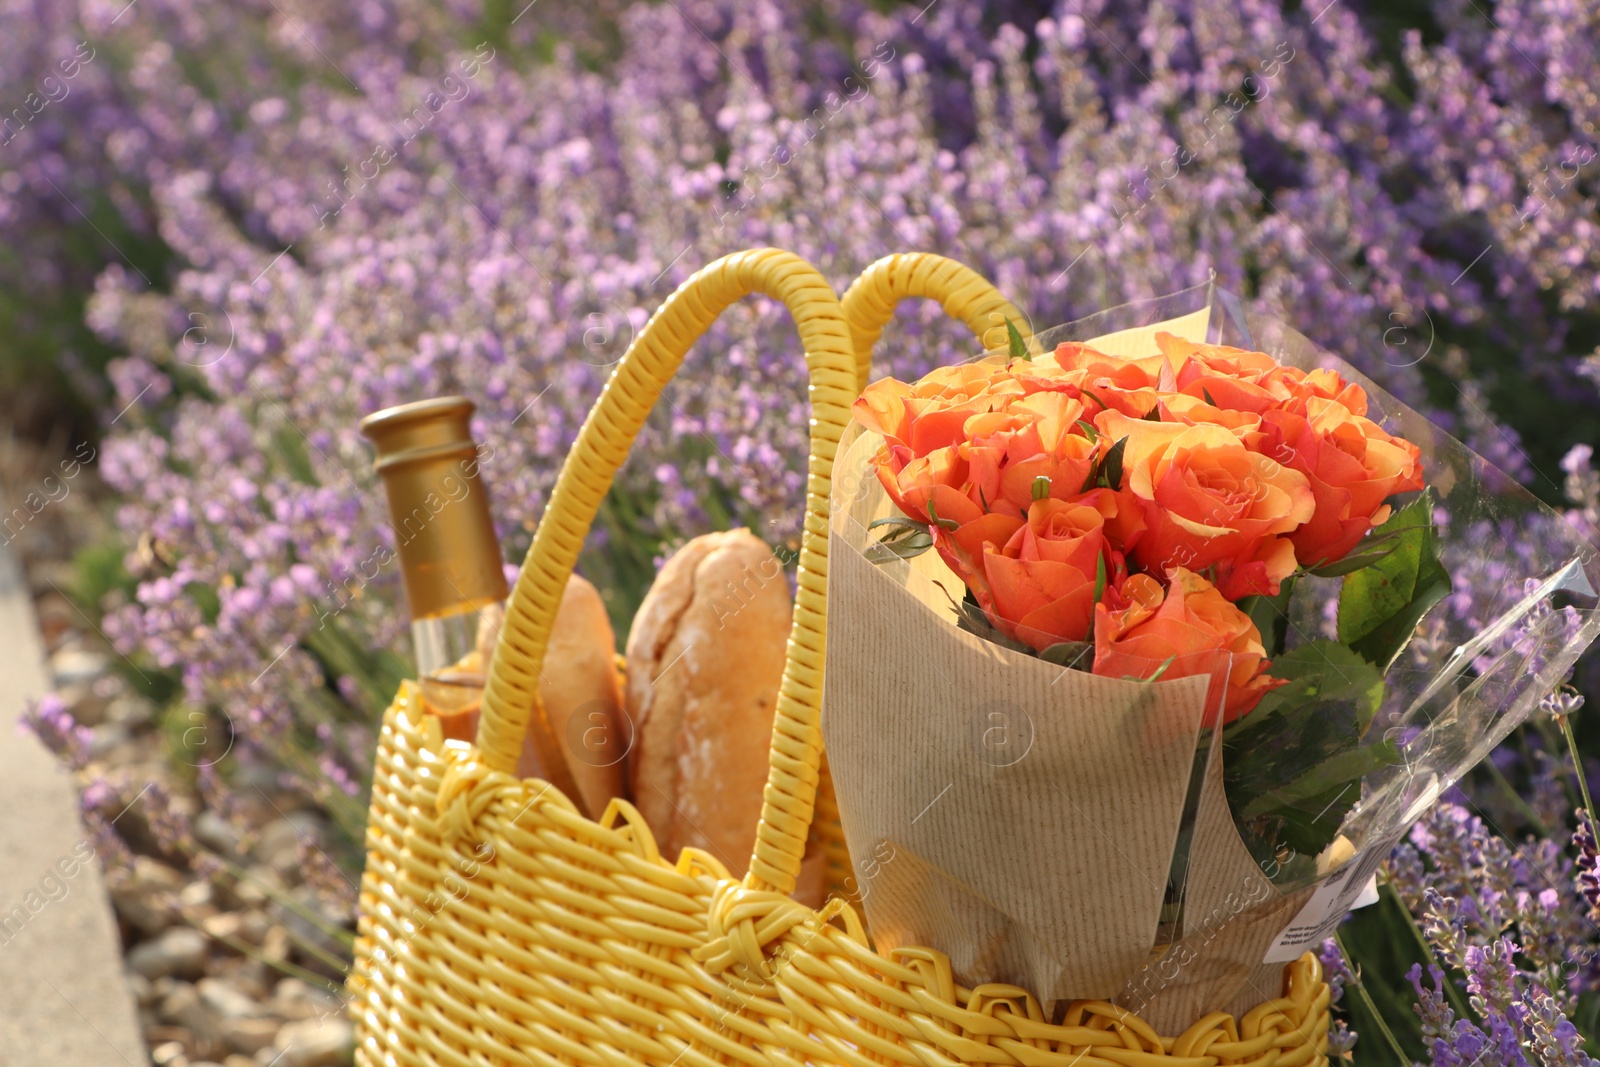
{"x": 501, "y": 926}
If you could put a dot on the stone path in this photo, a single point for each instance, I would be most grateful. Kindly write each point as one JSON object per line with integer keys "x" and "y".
{"x": 64, "y": 999}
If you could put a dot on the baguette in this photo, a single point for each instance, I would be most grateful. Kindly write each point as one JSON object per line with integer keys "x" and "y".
{"x": 705, "y": 660}
{"x": 582, "y": 694}
{"x": 580, "y": 688}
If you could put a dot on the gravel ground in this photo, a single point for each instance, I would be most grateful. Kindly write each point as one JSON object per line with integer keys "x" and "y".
{"x": 231, "y": 958}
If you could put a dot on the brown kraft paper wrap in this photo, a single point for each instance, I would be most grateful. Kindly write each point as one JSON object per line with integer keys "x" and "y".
{"x": 1232, "y": 913}
{"x": 1019, "y": 817}
{"x": 1015, "y": 815}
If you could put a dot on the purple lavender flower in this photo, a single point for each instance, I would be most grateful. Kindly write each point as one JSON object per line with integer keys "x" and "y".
{"x": 1492, "y": 979}
{"x": 169, "y": 824}
{"x": 1459, "y": 1042}
{"x": 1444, "y": 927}
{"x": 1587, "y": 864}
{"x": 1336, "y": 972}
{"x": 1560, "y": 703}
{"x": 1433, "y": 1009}
{"x": 1514, "y": 923}
{"x": 1554, "y": 1037}
{"x": 50, "y": 720}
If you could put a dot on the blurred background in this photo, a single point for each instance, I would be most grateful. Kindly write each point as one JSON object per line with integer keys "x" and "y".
{"x": 230, "y": 230}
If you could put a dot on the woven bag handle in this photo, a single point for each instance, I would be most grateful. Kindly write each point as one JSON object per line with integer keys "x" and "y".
{"x": 870, "y": 302}
{"x": 838, "y": 357}
{"x": 510, "y": 701}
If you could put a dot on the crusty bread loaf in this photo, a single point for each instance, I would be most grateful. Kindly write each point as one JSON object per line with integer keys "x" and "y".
{"x": 811, "y": 884}
{"x": 705, "y": 659}
{"x": 582, "y": 694}
{"x": 580, "y": 687}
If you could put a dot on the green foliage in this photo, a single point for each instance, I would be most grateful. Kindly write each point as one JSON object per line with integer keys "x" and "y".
{"x": 1381, "y": 942}
{"x": 38, "y": 395}
{"x": 623, "y": 569}
{"x": 97, "y": 570}
{"x": 1107, "y": 474}
{"x": 1381, "y": 604}
{"x": 289, "y": 446}
{"x": 1271, "y": 616}
{"x": 1374, "y": 550}
{"x": 377, "y": 672}
{"x": 1069, "y": 654}
{"x": 1018, "y": 347}
{"x": 205, "y": 598}
{"x": 1294, "y": 765}
{"x": 195, "y": 737}
{"x": 903, "y": 539}
{"x": 1320, "y": 671}
{"x": 970, "y": 617}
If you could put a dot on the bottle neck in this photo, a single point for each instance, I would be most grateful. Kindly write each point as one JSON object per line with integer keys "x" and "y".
{"x": 439, "y": 512}
{"x": 457, "y": 642}
{"x": 442, "y": 642}
{"x": 453, "y": 651}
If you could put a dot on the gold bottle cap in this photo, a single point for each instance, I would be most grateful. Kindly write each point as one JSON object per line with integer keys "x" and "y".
{"x": 438, "y": 505}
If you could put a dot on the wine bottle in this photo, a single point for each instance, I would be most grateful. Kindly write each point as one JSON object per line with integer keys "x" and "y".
{"x": 449, "y": 556}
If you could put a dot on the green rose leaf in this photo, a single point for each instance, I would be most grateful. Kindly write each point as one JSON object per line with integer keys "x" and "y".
{"x": 904, "y": 539}
{"x": 1338, "y": 777}
{"x": 1381, "y": 604}
{"x": 1069, "y": 654}
{"x": 1019, "y": 347}
{"x": 943, "y": 524}
{"x": 1318, "y": 675}
{"x": 1294, "y": 765}
{"x": 1374, "y": 549}
{"x": 1111, "y": 468}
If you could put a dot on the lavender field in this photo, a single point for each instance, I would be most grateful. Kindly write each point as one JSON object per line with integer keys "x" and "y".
{"x": 230, "y": 230}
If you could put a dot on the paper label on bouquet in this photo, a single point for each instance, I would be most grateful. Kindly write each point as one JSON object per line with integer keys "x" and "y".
{"x": 1355, "y": 885}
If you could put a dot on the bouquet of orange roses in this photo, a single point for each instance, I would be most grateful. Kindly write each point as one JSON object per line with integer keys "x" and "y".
{"x": 1126, "y": 690}
{"x": 1123, "y": 502}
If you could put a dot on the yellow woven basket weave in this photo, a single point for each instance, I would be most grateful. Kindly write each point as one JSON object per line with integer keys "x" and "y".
{"x": 499, "y": 925}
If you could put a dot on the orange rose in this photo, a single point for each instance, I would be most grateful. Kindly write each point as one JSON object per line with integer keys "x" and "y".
{"x": 1041, "y": 583}
{"x": 1253, "y": 381}
{"x": 1192, "y": 358}
{"x": 930, "y": 413}
{"x": 1245, "y": 425}
{"x": 1208, "y": 500}
{"x": 1192, "y": 629}
{"x": 1134, "y": 591}
{"x": 1144, "y": 372}
{"x": 1330, "y": 385}
{"x": 911, "y": 481}
{"x": 1352, "y": 465}
{"x": 1036, "y": 437}
{"x": 923, "y": 422}
{"x": 1099, "y": 380}
{"x": 965, "y": 533}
